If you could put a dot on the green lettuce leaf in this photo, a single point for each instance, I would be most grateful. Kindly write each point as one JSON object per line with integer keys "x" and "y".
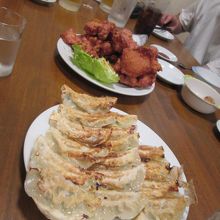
{"x": 97, "y": 67}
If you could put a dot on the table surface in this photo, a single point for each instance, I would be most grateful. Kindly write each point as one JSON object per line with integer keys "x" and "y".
{"x": 35, "y": 85}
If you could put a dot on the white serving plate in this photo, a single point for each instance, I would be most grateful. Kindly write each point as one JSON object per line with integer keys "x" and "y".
{"x": 66, "y": 52}
{"x": 163, "y": 34}
{"x": 170, "y": 73}
{"x": 147, "y": 137}
{"x": 171, "y": 57}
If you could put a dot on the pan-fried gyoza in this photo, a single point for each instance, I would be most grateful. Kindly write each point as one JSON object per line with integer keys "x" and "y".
{"x": 89, "y": 165}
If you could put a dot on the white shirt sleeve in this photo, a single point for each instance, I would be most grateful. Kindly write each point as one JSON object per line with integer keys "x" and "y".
{"x": 187, "y": 15}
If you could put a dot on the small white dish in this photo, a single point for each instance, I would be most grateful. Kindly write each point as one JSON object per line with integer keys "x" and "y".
{"x": 218, "y": 125}
{"x": 208, "y": 76}
{"x": 170, "y": 73}
{"x": 163, "y": 34}
{"x": 165, "y": 53}
{"x": 200, "y": 96}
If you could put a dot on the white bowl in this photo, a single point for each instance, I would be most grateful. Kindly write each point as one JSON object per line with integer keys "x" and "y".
{"x": 194, "y": 91}
{"x": 208, "y": 76}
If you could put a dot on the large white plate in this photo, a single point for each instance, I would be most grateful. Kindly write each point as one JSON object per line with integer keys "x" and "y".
{"x": 161, "y": 50}
{"x": 170, "y": 73}
{"x": 163, "y": 34}
{"x": 66, "y": 52}
{"x": 147, "y": 136}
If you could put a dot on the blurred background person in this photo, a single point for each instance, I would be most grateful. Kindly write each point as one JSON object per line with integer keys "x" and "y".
{"x": 202, "y": 20}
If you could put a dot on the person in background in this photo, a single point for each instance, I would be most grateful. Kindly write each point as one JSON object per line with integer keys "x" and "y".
{"x": 202, "y": 20}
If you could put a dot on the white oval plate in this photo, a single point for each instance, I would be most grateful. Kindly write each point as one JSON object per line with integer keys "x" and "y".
{"x": 207, "y": 75}
{"x": 171, "y": 57}
{"x": 163, "y": 34}
{"x": 170, "y": 73}
{"x": 66, "y": 52}
{"x": 147, "y": 137}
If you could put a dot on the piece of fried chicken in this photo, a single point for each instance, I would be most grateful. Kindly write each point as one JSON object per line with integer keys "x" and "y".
{"x": 98, "y": 28}
{"x": 121, "y": 39}
{"x": 138, "y": 67}
{"x": 71, "y": 38}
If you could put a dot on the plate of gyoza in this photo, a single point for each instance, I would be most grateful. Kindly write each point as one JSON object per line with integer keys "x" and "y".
{"x": 87, "y": 160}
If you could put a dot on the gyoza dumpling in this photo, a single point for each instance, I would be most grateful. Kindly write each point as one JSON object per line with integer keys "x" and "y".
{"x": 86, "y": 102}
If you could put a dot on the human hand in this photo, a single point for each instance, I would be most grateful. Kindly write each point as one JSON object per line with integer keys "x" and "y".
{"x": 172, "y": 23}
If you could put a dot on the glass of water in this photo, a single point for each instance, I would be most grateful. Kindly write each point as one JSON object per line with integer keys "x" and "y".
{"x": 121, "y": 11}
{"x": 11, "y": 27}
{"x": 150, "y": 16}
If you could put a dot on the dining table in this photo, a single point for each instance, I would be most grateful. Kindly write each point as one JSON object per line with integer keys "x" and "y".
{"x": 34, "y": 86}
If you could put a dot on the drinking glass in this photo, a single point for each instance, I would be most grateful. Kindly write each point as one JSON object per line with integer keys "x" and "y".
{"x": 150, "y": 16}
{"x": 11, "y": 27}
{"x": 71, "y": 5}
{"x": 121, "y": 11}
{"x": 106, "y": 5}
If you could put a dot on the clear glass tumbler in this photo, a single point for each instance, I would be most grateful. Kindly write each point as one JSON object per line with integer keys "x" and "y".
{"x": 121, "y": 11}
{"x": 11, "y": 28}
{"x": 150, "y": 16}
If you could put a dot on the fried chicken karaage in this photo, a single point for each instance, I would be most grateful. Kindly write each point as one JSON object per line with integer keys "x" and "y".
{"x": 121, "y": 39}
{"x": 70, "y": 38}
{"x": 137, "y": 66}
{"x": 98, "y": 28}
